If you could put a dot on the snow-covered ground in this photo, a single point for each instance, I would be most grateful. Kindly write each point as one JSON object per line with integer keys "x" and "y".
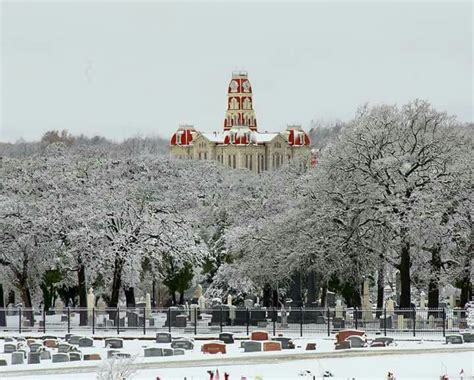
{"x": 427, "y": 359}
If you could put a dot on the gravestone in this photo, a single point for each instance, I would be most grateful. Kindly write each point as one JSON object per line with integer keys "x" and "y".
{"x": 18, "y": 358}
{"x": 468, "y": 337}
{"x": 286, "y": 343}
{"x": 343, "y": 345}
{"x": 86, "y": 342}
{"x": 36, "y": 347}
{"x": 132, "y": 319}
{"x": 74, "y": 339}
{"x": 153, "y": 352}
{"x": 178, "y": 351}
{"x": 112, "y": 353}
{"x": 431, "y": 322}
{"x": 271, "y": 345}
{"x": 114, "y": 342}
{"x": 167, "y": 352}
{"x": 284, "y": 318}
{"x": 64, "y": 347}
{"x": 253, "y": 346}
{"x": 50, "y": 343}
{"x": 75, "y": 356}
{"x": 60, "y": 358}
{"x": 3, "y": 362}
{"x": 34, "y": 358}
{"x": 259, "y": 335}
{"x": 181, "y": 321}
{"x": 9, "y": 339}
{"x": 356, "y": 341}
{"x": 385, "y": 340}
{"x": 123, "y": 355}
{"x": 45, "y": 355}
{"x": 185, "y": 344}
{"x": 454, "y": 339}
{"x": 163, "y": 338}
{"x": 92, "y": 357}
{"x": 310, "y": 347}
{"x": 227, "y": 338}
{"x": 8, "y": 348}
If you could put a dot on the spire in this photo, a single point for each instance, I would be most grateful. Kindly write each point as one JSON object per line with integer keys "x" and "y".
{"x": 239, "y": 103}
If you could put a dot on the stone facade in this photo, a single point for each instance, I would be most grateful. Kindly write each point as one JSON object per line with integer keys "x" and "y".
{"x": 240, "y": 145}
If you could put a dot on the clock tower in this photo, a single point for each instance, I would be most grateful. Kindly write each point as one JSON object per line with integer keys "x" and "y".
{"x": 239, "y": 103}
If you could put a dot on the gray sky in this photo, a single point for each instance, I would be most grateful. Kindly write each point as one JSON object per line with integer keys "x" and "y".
{"x": 119, "y": 69}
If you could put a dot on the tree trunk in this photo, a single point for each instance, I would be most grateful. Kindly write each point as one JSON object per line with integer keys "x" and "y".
{"x": 275, "y": 298}
{"x": 295, "y": 290}
{"x": 312, "y": 292}
{"x": 380, "y": 289}
{"x": 116, "y": 282}
{"x": 267, "y": 292}
{"x": 181, "y": 298}
{"x": 433, "y": 286}
{"x": 130, "y": 296}
{"x": 26, "y": 298}
{"x": 466, "y": 284}
{"x": 405, "y": 279}
{"x": 81, "y": 280}
{"x": 3, "y": 320}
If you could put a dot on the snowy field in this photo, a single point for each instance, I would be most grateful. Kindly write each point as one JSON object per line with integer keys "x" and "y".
{"x": 408, "y": 360}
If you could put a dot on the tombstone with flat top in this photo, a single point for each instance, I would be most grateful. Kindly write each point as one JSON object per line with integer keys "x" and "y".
{"x": 18, "y": 358}
{"x": 34, "y": 357}
{"x": 163, "y": 338}
{"x": 60, "y": 358}
{"x": 153, "y": 352}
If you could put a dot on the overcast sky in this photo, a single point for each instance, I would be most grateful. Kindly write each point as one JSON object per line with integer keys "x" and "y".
{"x": 120, "y": 69}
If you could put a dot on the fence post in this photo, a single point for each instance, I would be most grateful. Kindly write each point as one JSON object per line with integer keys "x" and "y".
{"x": 329, "y": 322}
{"x": 68, "y": 320}
{"x": 93, "y": 320}
{"x": 19, "y": 319}
{"x": 44, "y": 320}
{"x": 169, "y": 320}
{"x": 301, "y": 321}
{"x": 356, "y": 318}
{"x": 144, "y": 321}
{"x": 117, "y": 319}
{"x": 248, "y": 320}
{"x": 444, "y": 322}
{"x": 274, "y": 321}
{"x": 385, "y": 321}
{"x": 195, "y": 320}
{"x": 414, "y": 322}
{"x": 220, "y": 318}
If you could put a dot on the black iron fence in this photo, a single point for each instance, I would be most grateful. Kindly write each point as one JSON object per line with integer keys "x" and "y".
{"x": 197, "y": 321}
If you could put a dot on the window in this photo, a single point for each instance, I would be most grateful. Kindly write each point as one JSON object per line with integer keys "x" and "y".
{"x": 233, "y": 161}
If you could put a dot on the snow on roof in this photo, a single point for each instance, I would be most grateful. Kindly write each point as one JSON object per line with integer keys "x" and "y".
{"x": 265, "y": 137}
{"x": 214, "y": 137}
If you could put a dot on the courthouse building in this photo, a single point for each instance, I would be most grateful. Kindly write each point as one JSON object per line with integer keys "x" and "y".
{"x": 240, "y": 145}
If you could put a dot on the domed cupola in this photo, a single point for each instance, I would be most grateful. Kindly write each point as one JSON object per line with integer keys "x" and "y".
{"x": 183, "y": 136}
{"x": 296, "y": 136}
{"x": 239, "y": 103}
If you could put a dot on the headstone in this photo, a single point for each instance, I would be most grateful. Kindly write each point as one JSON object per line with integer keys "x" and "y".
{"x": 92, "y": 357}
{"x": 310, "y": 347}
{"x": 181, "y": 321}
{"x": 50, "y": 343}
{"x": 90, "y": 303}
{"x": 64, "y": 347}
{"x": 74, "y": 339}
{"x": 284, "y": 318}
{"x": 356, "y": 341}
{"x": 387, "y": 341}
{"x": 202, "y": 303}
{"x": 17, "y": 358}
{"x": 253, "y": 346}
{"x": 45, "y": 355}
{"x": 112, "y": 353}
{"x": 132, "y": 319}
{"x": 286, "y": 343}
{"x": 8, "y": 348}
{"x": 178, "y": 351}
{"x": 401, "y": 322}
{"x": 431, "y": 322}
{"x": 185, "y": 344}
{"x": 9, "y": 339}
{"x": 147, "y": 305}
{"x": 58, "y": 306}
{"x": 123, "y": 355}
{"x": 339, "y": 309}
{"x": 259, "y": 335}
{"x": 101, "y": 305}
{"x": 60, "y": 358}
{"x": 454, "y": 339}
{"x": 227, "y": 338}
{"x": 167, "y": 352}
{"x": 34, "y": 358}
{"x": 36, "y": 347}
{"x": 3, "y": 362}
{"x": 153, "y": 352}
{"x": 343, "y": 345}
{"x": 86, "y": 342}
{"x": 75, "y": 356}
{"x": 163, "y": 338}
{"x": 213, "y": 348}
{"x": 113, "y": 342}
{"x": 468, "y": 337}
{"x": 271, "y": 345}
